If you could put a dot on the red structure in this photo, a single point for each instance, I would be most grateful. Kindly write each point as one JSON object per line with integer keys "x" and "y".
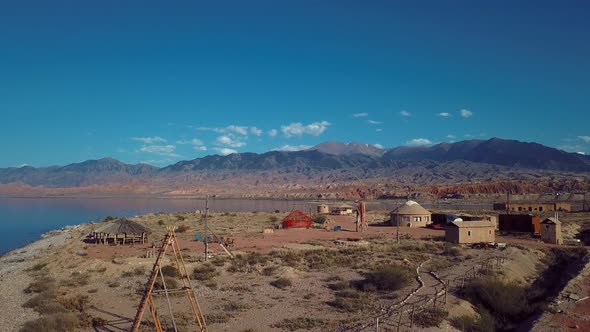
{"x": 297, "y": 219}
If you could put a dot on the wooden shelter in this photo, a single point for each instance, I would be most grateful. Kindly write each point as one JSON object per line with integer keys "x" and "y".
{"x": 551, "y": 231}
{"x": 121, "y": 231}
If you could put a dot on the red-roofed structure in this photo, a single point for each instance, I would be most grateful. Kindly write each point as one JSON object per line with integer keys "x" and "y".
{"x": 297, "y": 219}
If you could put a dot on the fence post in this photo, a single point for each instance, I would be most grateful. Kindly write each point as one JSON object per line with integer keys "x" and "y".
{"x": 399, "y": 322}
{"x": 412, "y": 316}
{"x": 377, "y": 328}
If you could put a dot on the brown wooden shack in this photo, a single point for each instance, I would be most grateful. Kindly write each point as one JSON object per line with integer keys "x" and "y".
{"x": 551, "y": 231}
{"x": 464, "y": 232}
{"x": 121, "y": 231}
{"x": 519, "y": 223}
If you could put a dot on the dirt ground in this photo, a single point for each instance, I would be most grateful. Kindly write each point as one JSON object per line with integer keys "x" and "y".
{"x": 240, "y": 294}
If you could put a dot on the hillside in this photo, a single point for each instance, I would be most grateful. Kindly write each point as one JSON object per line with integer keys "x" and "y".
{"x": 330, "y": 168}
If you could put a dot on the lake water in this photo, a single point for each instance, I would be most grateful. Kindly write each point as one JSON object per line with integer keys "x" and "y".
{"x": 23, "y": 220}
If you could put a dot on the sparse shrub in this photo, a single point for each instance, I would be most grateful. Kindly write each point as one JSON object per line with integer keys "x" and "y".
{"x": 52, "y": 323}
{"x": 109, "y": 218}
{"x": 281, "y": 283}
{"x": 77, "y": 279}
{"x": 93, "y": 291}
{"x": 37, "y": 267}
{"x": 161, "y": 222}
{"x": 269, "y": 271}
{"x": 467, "y": 323}
{"x": 169, "y": 271}
{"x": 217, "y": 318}
{"x": 273, "y": 219}
{"x": 386, "y": 278}
{"x": 204, "y": 272}
{"x": 320, "y": 219}
{"x": 346, "y": 304}
{"x": 277, "y": 211}
{"x": 98, "y": 322}
{"x": 234, "y": 306}
{"x": 101, "y": 269}
{"x": 171, "y": 283}
{"x": 180, "y": 217}
{"x": 182, "y": 228}
{"x": 300, "y": 323}
{"x": 75, "y": 303}
{"x": 138, "y": 271}
{"x": 452, "y": 251}
{"x": 41, "y": 285}
{"x": 114, "y": 284}
{"x": 430, "y": 317}
{"x": 218, "y": 261}
{"x": 340, "y": 285}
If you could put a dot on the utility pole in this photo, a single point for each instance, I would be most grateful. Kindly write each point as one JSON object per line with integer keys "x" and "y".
{"x": 206, "y": 227}
{"x": 397, "y": 228}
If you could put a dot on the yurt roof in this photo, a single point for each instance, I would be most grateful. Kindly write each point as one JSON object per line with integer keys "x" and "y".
{"x": 410, "y": 207}
{"x": 121, "y": 226}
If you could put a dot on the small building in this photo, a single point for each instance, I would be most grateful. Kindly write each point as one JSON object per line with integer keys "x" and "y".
{"x": 446, "y": 218}
{"x": 323, "y": 209}
{"x": 121, "y": 231}
{"x": 551, "y": 231}
{"x": 297, "y": 219}
{"x": 464, "y": 232}
{"x": 519, "y": 223}
{"x": 410, "y": 214}
{"x": 533, "y": 207}
{"x": 343, "y": 210}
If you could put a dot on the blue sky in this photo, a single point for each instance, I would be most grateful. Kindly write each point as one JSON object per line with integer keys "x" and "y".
{"x": 163, "y": 81}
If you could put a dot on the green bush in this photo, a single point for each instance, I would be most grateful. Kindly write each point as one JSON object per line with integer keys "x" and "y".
{"x": 169, "y": 271}
{"x": 205, "y": 272}
{"x": 320, "y": 219}
{"x": 430, "y": 317}
{"x": 171, "y": 283}
{"x": 300, "y": 323}
{"x": 58, "y": 322}
{"x": 281, "y": 283}
{"x": 386, "y": 278}
{"x": 182, "y": 228}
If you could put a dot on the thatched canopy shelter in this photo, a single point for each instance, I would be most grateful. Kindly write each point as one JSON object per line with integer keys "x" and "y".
{"x": 121, "y": 231}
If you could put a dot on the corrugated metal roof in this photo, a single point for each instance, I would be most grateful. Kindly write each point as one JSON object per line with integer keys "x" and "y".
{"x": 551, "y": 220}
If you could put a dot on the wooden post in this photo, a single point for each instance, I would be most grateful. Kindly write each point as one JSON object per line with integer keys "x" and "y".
{"x": 412, "y": 316}
{"x": 377, "y": 326}
{"x": 399, "y": 322}
{"x": 435, "y": 297}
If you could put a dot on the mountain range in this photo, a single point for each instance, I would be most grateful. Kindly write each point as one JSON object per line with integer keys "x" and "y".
{"x": 327, "y": 167}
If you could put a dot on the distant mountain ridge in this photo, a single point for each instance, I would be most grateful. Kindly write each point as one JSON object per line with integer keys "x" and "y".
{"x": 330, "y": 161}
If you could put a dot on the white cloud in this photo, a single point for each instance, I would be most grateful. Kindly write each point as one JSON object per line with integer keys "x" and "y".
{"x": 162, "y": 150}
{"x": 378, "y": 146}
{"x": 378, "y": 130}
{"x": 451, "y": 136}
{"x": 582, "y": 153}
{"x": 255, "y": 131}
{"x": 298, "y": 129}
{"x": 466, "y": 113}
{"x": 23, "y": 165}
{"x": 197, "y": 144}
{"x": 360, "y": 115}
{"x": 419, "y": 141}
{"x": 225, "y": 151}
{"x": 240, "y": 130}
{"x": 149, "y": 140}
{"x": 405, "y": 113}
{"x": 585, "y": 139}
{"x": 444, "y": 114}
{"x": 373, "y": 122}
{"x": 194, "y": 141}
{"x": 292, "y": 148}
{"x": 229, "y": 141}
{"x": 272, "y": 133}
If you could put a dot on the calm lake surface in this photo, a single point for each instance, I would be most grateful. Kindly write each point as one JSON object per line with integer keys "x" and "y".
{"x": 23, "y": 220}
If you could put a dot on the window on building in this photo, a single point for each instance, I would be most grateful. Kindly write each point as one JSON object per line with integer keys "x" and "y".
{"x": 417, "y": 219}
{"x": 540, "y": 208}
{"x": 468, "y": 233}
{"x": 406, "y": 218}
{"x": 490, "y": 232}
